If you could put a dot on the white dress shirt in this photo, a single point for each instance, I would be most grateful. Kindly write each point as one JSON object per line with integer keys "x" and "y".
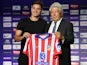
{"x": 52, "y": 25}
{"x": 57, "y": 26}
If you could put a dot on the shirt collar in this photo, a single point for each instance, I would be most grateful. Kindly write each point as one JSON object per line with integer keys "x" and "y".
{"x": 58, "y": 21}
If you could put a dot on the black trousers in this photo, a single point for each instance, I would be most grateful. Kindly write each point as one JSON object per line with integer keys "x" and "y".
{"x": 23, "y": 59}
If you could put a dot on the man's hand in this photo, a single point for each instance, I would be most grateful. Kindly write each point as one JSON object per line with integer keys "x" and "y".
{"x": 26, "y": 34}
{"x": 58, "y": 34}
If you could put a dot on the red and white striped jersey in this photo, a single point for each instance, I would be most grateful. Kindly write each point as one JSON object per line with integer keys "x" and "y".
{"x": 42, "y": 49}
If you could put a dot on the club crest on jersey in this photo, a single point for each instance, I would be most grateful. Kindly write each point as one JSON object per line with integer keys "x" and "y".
{"x": 58, "y": 47}
{"x": 42, "y": 56}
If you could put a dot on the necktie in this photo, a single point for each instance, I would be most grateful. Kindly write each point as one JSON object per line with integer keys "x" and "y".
{"x": 54, "y": 28}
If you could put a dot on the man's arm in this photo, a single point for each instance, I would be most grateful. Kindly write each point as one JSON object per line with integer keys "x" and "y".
{"x": 18, "y": 37}
{"x": 69, "y": 37}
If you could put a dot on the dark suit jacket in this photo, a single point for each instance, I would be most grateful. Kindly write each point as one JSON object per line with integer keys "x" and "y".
{"x": 66, "y": 29}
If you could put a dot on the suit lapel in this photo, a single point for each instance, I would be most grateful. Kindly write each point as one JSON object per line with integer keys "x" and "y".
{"x": 60, "y": 26}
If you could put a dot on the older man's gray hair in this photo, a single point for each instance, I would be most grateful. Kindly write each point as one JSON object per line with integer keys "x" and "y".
{"x": 57, "y": 4}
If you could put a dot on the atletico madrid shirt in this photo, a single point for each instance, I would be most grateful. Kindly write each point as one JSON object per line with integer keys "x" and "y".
{"x": 42, "y": 49}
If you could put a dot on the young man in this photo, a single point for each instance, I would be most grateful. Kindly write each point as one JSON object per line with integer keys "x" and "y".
{"x": 27, "y": 26}
{"x": 63, "y": 30}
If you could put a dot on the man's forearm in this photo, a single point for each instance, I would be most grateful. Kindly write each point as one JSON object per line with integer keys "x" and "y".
{"x": 18, "y": 38}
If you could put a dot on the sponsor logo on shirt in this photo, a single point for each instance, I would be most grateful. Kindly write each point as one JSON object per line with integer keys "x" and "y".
{"x": 42, "y": 63}
{"x": 42, "y": 56}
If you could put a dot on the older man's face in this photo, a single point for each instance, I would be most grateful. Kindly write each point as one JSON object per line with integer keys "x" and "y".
{"x": 55, "y": 13}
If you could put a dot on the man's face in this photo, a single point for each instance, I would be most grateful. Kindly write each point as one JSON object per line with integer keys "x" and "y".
{"x": 36, "y": 10}
{"x": 55, "y": 13}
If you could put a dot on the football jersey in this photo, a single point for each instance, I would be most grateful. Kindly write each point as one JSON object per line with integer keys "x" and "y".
{"x": 42, "y": 49}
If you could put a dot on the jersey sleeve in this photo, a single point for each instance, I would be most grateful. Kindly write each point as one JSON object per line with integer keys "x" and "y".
{"x": 26, "y": 47}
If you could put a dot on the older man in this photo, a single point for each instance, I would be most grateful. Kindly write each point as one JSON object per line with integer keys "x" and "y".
{"x": 63, "y": 30}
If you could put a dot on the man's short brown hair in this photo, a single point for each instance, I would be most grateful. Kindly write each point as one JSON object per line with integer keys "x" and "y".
{"x": 39, "y": 3}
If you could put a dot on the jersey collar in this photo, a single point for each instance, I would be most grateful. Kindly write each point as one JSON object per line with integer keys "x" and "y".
{"x": 46, "y": 35}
